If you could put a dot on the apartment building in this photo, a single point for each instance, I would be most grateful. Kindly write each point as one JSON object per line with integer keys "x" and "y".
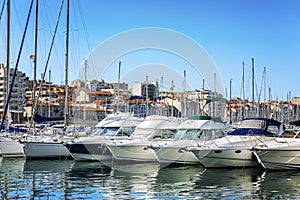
{"x": 15, "y": 108}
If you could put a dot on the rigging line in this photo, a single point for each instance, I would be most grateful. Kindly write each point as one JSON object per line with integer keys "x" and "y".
{"x": 26, "y": 46}
{"x": 2, "y": 9}
{"x": 47, "y": 23}
{"x": 48, "y": 58}
{"x": 16, "y": 68}
{"x": 75, "y": 40}
{"x": 86, "y": 37}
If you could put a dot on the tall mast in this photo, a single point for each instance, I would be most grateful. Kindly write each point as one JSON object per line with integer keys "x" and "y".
{"x": 265, "y": 91}
{"x": 230, "y": 86}
{"x": 118, "y": 92}
{"x": 8, "y": 45}
{"x": 243, "y": 82}
{"x": 34, "y": 57}
{"x": 184, "y": 93}
{"x": 66, "y": 67}
{"x": 147, "y": 95}
{"x": 7, "y": 49}
{"x": 252, "y": 87}
{"x": 243, "y": 89}
{"x": 85, "y": 90}
{"x": 49, "y": 105}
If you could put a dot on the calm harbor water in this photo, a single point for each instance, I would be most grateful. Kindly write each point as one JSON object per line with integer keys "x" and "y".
{"x": 44, "y": 179}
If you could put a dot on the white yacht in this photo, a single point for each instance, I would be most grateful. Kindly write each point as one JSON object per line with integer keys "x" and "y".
{"x": 282, "y": 152}
{"x": 115, "y": 126}
{"x": 235, "y": 149}
{"x": 189, "y": 133}
{"x": 137, "y": 146}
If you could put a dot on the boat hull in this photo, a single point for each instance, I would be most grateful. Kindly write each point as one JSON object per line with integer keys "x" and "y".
{"x": 176, "y": 155}
{"x": 133, "y": 152}
{"x": 279, "y": 159}
{"x": 89, "y": 151}
{"x": 45, "y": 150}
{"x": 10, "y": 148}
{"x": 226, "y": 158}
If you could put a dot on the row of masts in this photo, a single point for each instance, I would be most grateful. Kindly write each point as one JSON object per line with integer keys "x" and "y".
{"x": 34, "y": 58}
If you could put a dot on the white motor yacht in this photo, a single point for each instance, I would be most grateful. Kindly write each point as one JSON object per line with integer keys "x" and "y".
{"x": 115, "y": 126}
{"x": 189, "y": 133}
{"x": 282, "y": 152}
{"x": 235, "y": 149}
{"x": 137, "y": 146}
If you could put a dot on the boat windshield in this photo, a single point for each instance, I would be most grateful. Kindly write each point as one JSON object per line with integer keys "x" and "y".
{"x": 97, "y": 131}
{"x": 110, "y": 131}
{"x": 164, "y": 134}
{"x": 256, "y": 124}
{"x": 126, "y": 131}
{"x": 211, "y": 134}
{"x": 189, "y": 134}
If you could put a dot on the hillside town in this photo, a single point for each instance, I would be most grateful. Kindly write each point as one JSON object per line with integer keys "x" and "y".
{"x": 94, "y": 99}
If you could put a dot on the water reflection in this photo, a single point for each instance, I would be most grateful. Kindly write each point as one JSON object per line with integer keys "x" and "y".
{"x": 47, "y": 166}
{"x": 135, "y": 170}
{"x": 11, "y": 173}
{"x": 44, "y": 179}
{"x": 88, "y": 180}
{"x": 281, "y": 185}
{"x": 177, "y": 182}
{"x": 231, "y": 183}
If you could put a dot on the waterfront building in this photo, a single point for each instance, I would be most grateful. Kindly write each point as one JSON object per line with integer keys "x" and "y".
{"x": 15, "y": 112}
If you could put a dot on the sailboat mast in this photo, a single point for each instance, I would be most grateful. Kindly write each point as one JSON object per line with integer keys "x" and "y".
{"x": 7, "y": 49}
{"x": 253, "y": 87}
{"x": 243, "y": 90}
{"x": 265, "y": 91}
{"x": 184, "y": 93}
{"x": 243, "y": 82}
{"x": 34, "y": 58}
{"x": 85, "y": 90}
{"x": 66, "y": 66}
{"x": 118, "y": 92}
{"x": 8, "y": 45}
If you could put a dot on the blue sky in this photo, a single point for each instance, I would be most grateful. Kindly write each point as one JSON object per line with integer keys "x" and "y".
{"x": 231, "y": 31}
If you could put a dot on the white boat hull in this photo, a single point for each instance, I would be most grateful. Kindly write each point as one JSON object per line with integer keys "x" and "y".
{"x": 175, "y": 155}
{"x": 137, "y": 152}
{"x": 278, "y": 159}
{"x": 10, "y": 148}
{"x": 226, "y": 158}
{"x": 45, "y": 150}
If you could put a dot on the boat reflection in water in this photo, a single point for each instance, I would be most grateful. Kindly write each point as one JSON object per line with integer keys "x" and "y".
{"x": 46, "y": 179}
{"x": 230, "y": 183}
{"x": 88, "y": 170}
{"x": 11, "y": 171}
{"x": 280, "y": 185}
{"x": 182, "y": 174}
{"x": 129, "y": 170}
{"x": 47, "y": 166}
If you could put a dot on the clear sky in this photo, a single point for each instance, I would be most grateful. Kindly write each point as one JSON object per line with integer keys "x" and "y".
{"x": 231, "y": 31}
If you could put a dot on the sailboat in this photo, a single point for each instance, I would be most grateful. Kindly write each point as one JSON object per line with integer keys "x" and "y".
{"x": 9, "y": 147}
{"x": 51, "y": 146}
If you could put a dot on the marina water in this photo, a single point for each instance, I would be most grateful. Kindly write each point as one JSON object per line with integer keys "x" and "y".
{"x": 67, "y": 179}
